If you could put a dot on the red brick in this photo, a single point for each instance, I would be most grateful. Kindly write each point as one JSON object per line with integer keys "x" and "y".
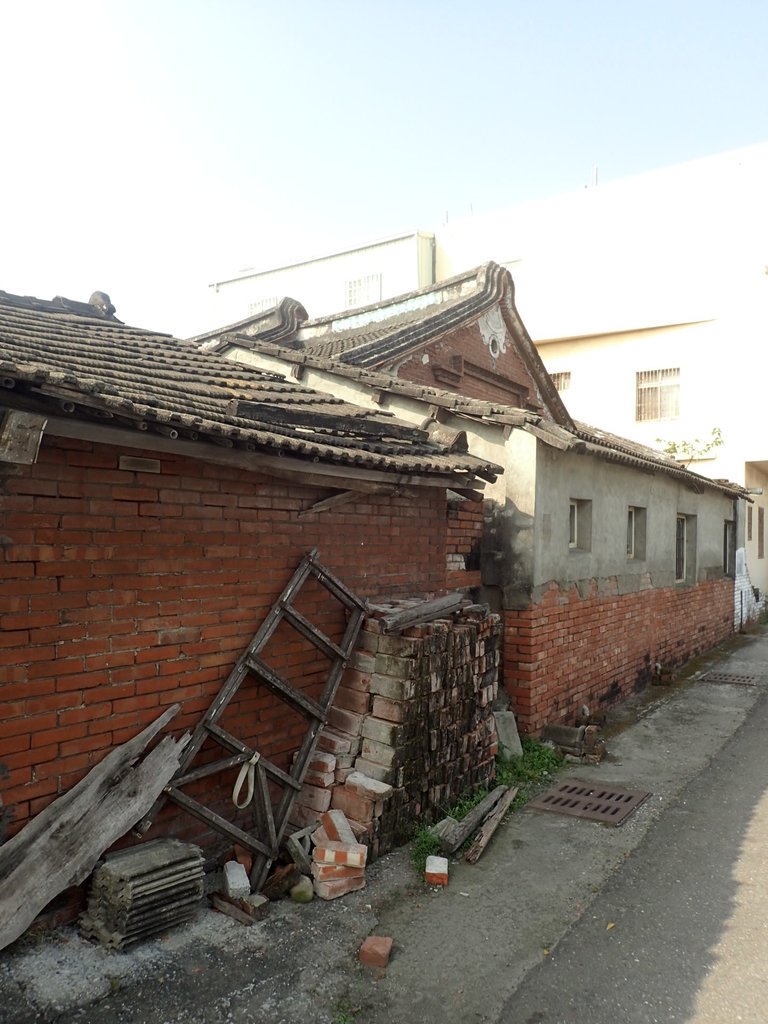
{"x": 376, "y": 951}
{"x": 335, "y": 887}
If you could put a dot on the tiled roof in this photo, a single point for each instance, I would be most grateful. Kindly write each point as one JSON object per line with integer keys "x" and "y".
{"x": 70, "y": 359}
{"x": 582, "y": 438}
{"x": 379, "y": 335}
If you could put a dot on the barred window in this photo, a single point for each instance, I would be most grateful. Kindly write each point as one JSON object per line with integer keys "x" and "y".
{"x": 362, "y": 291}
{"x": 261, "y": 304}
{"x": 562, "y": 380}
{"x": 657, "y": 394}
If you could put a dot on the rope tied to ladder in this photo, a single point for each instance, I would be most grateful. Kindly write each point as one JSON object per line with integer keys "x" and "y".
{"x": 247, "y": 771}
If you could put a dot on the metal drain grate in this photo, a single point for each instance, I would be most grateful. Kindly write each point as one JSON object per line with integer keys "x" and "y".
{"x": 733, "y": 678}
{"x": 595, "y": 801}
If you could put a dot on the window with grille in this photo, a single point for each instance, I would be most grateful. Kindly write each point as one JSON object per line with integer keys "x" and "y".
{"x": 749, "y": 522}
{"x": 261, "y": 304}
{"x": 657, "y": 394}
{"x": 562, "y": 380}
{"x": 761, "y": 532}
{"x": 362, "y": 291}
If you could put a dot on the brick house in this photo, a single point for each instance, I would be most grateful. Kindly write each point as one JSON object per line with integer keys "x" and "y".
{"x": 154, "y": 499}
{"x": 608, "y": 560}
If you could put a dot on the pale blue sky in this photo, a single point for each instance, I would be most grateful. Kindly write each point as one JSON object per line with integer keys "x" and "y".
{"x": 152, "y": 146}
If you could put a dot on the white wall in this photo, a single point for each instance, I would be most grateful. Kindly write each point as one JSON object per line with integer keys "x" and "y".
{"x": 403, "y": 264}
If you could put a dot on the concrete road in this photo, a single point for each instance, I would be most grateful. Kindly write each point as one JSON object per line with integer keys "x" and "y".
{"x": 680, "y": 933}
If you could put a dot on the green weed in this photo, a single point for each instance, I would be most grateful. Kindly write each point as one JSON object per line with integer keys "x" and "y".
{"x": 530, "y": 772}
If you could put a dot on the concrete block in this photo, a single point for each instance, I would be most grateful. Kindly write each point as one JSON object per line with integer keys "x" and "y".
{"x": 509, "y": 741}
{"x": 436, "y": 872}
{"x": 236, "y": 884}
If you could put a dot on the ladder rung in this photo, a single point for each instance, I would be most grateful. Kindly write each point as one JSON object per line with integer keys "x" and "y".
{"x": 210, "y": 769}
{"x": 233, "y": 743}
{"x": 221, "y": 824}
{"x": 313, "y": 634}
{"x": 283, "y": 689}
{"x": 336, "y": 587}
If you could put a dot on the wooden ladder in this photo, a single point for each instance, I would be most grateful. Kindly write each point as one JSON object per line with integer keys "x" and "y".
{"x": 271, "y": 821}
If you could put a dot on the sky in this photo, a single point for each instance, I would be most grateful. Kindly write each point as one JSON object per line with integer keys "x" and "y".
{"x": 151, "y": 147}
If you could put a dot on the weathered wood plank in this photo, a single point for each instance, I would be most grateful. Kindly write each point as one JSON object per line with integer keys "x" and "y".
{"x": 60, "y": 846}
{"x": 452, "y": 838}
{"x": 489, "y": 826}
{"x": 424, "y": 612}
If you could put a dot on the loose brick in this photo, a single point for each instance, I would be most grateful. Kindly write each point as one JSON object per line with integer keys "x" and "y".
{"x": 321, "y": 779}
{"x": 351, "y": 855}
{"x": 388, "y": 709}
{"x": 335, "y": 887}
{"x": 436, "y": 872}
{"x": 333, "y": 742}
{"x": 370, "y": 788}
{"x": 325, "y": 872}
{"x": 337, "y": 827}
{"x": 355, "y": 806}
{"x": 348, "y": 722}
{"x": 376, "y": 951}
{"x": 382, "y": 732}
{"x": 380, "y": 772}
{"x": 322, "y": 762}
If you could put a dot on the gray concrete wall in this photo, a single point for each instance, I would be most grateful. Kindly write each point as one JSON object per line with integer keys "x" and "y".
{"x": 611, "y": 488}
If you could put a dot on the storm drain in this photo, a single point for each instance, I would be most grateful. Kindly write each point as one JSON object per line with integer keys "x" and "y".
{"x": 595, "y": 801}
{"x": 733, "y": 678}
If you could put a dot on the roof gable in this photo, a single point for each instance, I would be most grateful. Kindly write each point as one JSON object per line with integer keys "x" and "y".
{"x": 378, "y": 336}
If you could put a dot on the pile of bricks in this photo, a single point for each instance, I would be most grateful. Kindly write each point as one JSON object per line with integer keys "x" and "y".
{"x": 338, "y": 860}
{"x": 412, "y": 728}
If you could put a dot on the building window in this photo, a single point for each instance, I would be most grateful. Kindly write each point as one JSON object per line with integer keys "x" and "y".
{"x": 657, "y": 395}
{"x": 761, "y": 532}
{"x": 749, "y": 522}
{"x": 729, "y": 548}
{"x": 680, "y": 545}
{"x": 635, "y": 532}
{"x": 254, "y": 308}
{"x": 562, "y": 380}
{"x": 362, "y": 291}
{"x": 685, "y": 549}
{"x": 579, "y": 525}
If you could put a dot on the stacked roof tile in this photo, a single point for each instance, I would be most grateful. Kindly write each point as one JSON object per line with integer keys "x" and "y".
{"x": 67, "y": 358}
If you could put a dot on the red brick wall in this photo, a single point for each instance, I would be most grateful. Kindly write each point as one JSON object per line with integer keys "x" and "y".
{"x": 465, "y": 529}
{"x": 467, "y": 343}
{"x": 569, "y": 650}
{"x": 125, "y": 592}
